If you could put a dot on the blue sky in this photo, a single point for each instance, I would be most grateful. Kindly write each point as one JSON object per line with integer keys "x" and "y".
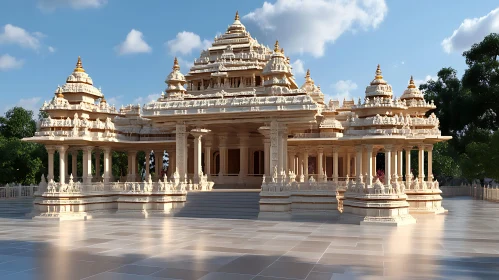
{"x": 128, "y": 46}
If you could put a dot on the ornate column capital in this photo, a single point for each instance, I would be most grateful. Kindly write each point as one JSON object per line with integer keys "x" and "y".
{"x": 199, "y": 132}
{"x": 106, "y": 149}
{"x": 222, "y": 139}
{"x": 369, "y": 147}
{"x": 429, "y": 147}
{"x": 62, "y": 148}
{"x": 388, "y": 148}
{"x": 87, "y": 148}
{"x": 408, "y": 148}
{"x": 358, "y": 149}
{"x": 320, "y": 149}
{"x": 50, "y": 149}
{"x": 336, "y": 149}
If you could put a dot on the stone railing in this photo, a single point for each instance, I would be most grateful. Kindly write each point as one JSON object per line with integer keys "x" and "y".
{"x": 283, "y": 182}
{"x": 17, "y": 191}
{"x": 452, "y": 191}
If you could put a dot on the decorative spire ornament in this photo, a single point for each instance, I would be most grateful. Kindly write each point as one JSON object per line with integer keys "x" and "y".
{"x": 79, "y": 66}
{"x": 411, "y": 83}
{"x": 237, "y": 16}
{"x": 379, "y": 76}
{"x": 176, "y": 67}
{"x": 276, "y": 46}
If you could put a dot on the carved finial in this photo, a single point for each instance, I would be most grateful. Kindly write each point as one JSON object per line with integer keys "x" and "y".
{"x": 175, "y": 64}
{"x": 276, "y": 46}
{"x": 378, "y": 73}
{"x": 59, "y": 92}
{"x": 79, "y": 66}
{"x": 411, "y": 83}
{"x": 103, "y": 99}
{"x": 237, "y": 16}
{"x": 282, "y": 50}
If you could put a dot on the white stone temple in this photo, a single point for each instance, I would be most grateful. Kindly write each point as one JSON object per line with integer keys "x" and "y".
{"x": 238, "y": 119}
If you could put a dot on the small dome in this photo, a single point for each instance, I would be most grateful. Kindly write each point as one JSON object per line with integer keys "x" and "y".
{"x": 331, "y": 122}
{"x": 412, "y": 92}
{"x": 309, "y": 84}
{"x": 175, "y": 75}
{"x": 277, "y": 63}
{"x": 236, "y": 26}
{"x": 80, "y": 82}
{"x": 379, "y": 87}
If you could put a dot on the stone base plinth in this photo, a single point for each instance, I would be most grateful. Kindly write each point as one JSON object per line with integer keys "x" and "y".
{"x": 275, "y": 202}
{"x": 301, "y": 201}
{"x": 377, "y": 209}
{"x": 427, "y": 201}
{"x": 147, "y": 205}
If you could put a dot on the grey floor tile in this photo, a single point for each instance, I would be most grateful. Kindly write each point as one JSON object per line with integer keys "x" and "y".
{"x": 137, "y": 269}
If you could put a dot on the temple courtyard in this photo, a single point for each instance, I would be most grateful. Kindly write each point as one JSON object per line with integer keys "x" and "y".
{"x": 464, "y": 244}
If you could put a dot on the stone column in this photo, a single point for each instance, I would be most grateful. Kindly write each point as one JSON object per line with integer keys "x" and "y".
{"x": 305, "y": 164}
{"x": 50, "y": 151}
{"x": 274, "y": 147}
{"x": 148, "y": 164}
{"x": 301, "y": 164}
{"x": 374, "y": 154}
{"x": 421, "y": 163}
{"x": 358, "y": 161}
{"x": 395, "y": 162}
{"x": 181, "y": 151}
{"x": 408, "y": 165}
{"x": 172, "y": 163}
{"x": 266, "y": 155}
{"x": 320, "y": 169}
{"x": 388, "y": 163}
{"x": 207, "y": 157}
{"x": 283, "y": 134}
{"x": 370, "y": 167}
{"x": 87, "y": 164}
{"x": 222, "y": 140}
{"x": 243, "y": 155}
{"x": 107, "y": 164}
{"x": 400, "y": 160}
{"x": 132, "y": 156}
{"x": 97, "y": 164}
{"x": 74, "y": 163}
{"x": 197, "y": 157}
{"x": 429, "y": 148}
{"x": 158, "y": 163}
{"x": 349, "y": 173}
{"x": 291, "y": 160}
{"x": 62, "y": 163}
{"x": 335, "y": 164}
{"x": 364, "y": 163}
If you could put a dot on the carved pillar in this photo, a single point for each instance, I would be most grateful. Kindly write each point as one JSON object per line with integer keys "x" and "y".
{"x": 335, "y": 164}
{"x": 107, "y": 164}
{"x": 222, "y": 140}
{"x": 148, "y": 164}
{"x": 50, "y": 151}
{"x": 181, "y": 151}
{"x": 320, "y": 169}
{"x": 305, "y": 163}
{"x": 395, "y": 162}
{"x": 266, "y": 155}
{"x": 207, "y": 157}
{"x": 197, "y": 157}
{"x": 158, "y": 163}
{"x": 97, "y": 164}
{"x": 300, "y": 166}
{"x": 274, "y": 147}
{"x": 87, "y": 164}
{"x": 74, "y": 163}
{"x": 374, "y": 154}
{"x": 388, "y": 163}
{"x": 349, "y": 173}
{"x": 370, "y": 167}
{"x": 132, "y": 157}
{"x": 408, "y": 165}
{"x": 399, "y": 166}
{"x": 243, "y": 154}
{"x": 291, "y": 160}
{"x": 62, "y": 163}
{"x": 421, "y": 163}
{"x": 358, "y": 161}
{"x": 429, "y": 148}
{"x": 172, "y": 162}
{"x": 283, "y": 134}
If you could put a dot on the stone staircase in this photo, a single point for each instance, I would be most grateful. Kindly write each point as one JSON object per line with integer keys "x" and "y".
{"x": 15, "y": 207}
{"x": 225, "y": 204}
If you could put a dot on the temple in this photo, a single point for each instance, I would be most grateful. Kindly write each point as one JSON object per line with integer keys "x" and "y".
{"x": 238, "y": 119}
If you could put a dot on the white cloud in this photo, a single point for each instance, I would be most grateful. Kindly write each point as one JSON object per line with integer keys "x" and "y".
{"x": 32, "y": 104}
{"x": 307, "y": 26}
{"x": 185, "y": 42}
{"x": 343, "y": 89}
{"x": 472, "y": 31}
{"x": 51, "y": 49}
{"x": 115, "y": 100}
{"x": 18, "y": 36}
{"x": 51, "y": 5}
{"x": 134, "y": 43}
{"x": 8, "y": 62}
{"x": 298, "y": 68}
{"x": 418, "y": 82}
{"x": 185, "y": 64}
{"x": 147, "y": 99}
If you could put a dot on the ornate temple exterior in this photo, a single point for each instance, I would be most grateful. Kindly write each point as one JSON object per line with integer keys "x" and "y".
{"x": 238, "y": 119}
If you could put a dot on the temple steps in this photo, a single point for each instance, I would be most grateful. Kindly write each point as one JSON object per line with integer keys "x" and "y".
{"x": 226, "y": 204}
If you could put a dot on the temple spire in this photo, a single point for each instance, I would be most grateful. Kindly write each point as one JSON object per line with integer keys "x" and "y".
{"x": 411, "y": 83}
{"x": 79, "y": 66}
{"x": 276, "y": 46}
{"x": 379, "y": 76}
{"x": 176, "y": 67}
{"x": 307, "y": 76}
{"x": 237, "y": 16}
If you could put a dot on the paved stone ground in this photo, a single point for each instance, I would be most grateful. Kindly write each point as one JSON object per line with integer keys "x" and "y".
{"x": 463, "y": 244}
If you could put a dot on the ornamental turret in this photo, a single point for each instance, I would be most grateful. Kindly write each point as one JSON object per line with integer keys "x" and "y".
{"x": 312, "y": 89}
{"x": 414, "y": 99}
{"x": 175, "y": 82}
{"x": 79, "y": 86}
{"x": 277, "y": 73}
{"x": 379, "y": 87}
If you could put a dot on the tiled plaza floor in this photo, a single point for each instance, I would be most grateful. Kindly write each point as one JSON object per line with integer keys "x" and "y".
{"x": 463, "y": 244}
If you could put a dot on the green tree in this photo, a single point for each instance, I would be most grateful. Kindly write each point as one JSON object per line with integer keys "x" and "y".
{"x": 17, "y": 123}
